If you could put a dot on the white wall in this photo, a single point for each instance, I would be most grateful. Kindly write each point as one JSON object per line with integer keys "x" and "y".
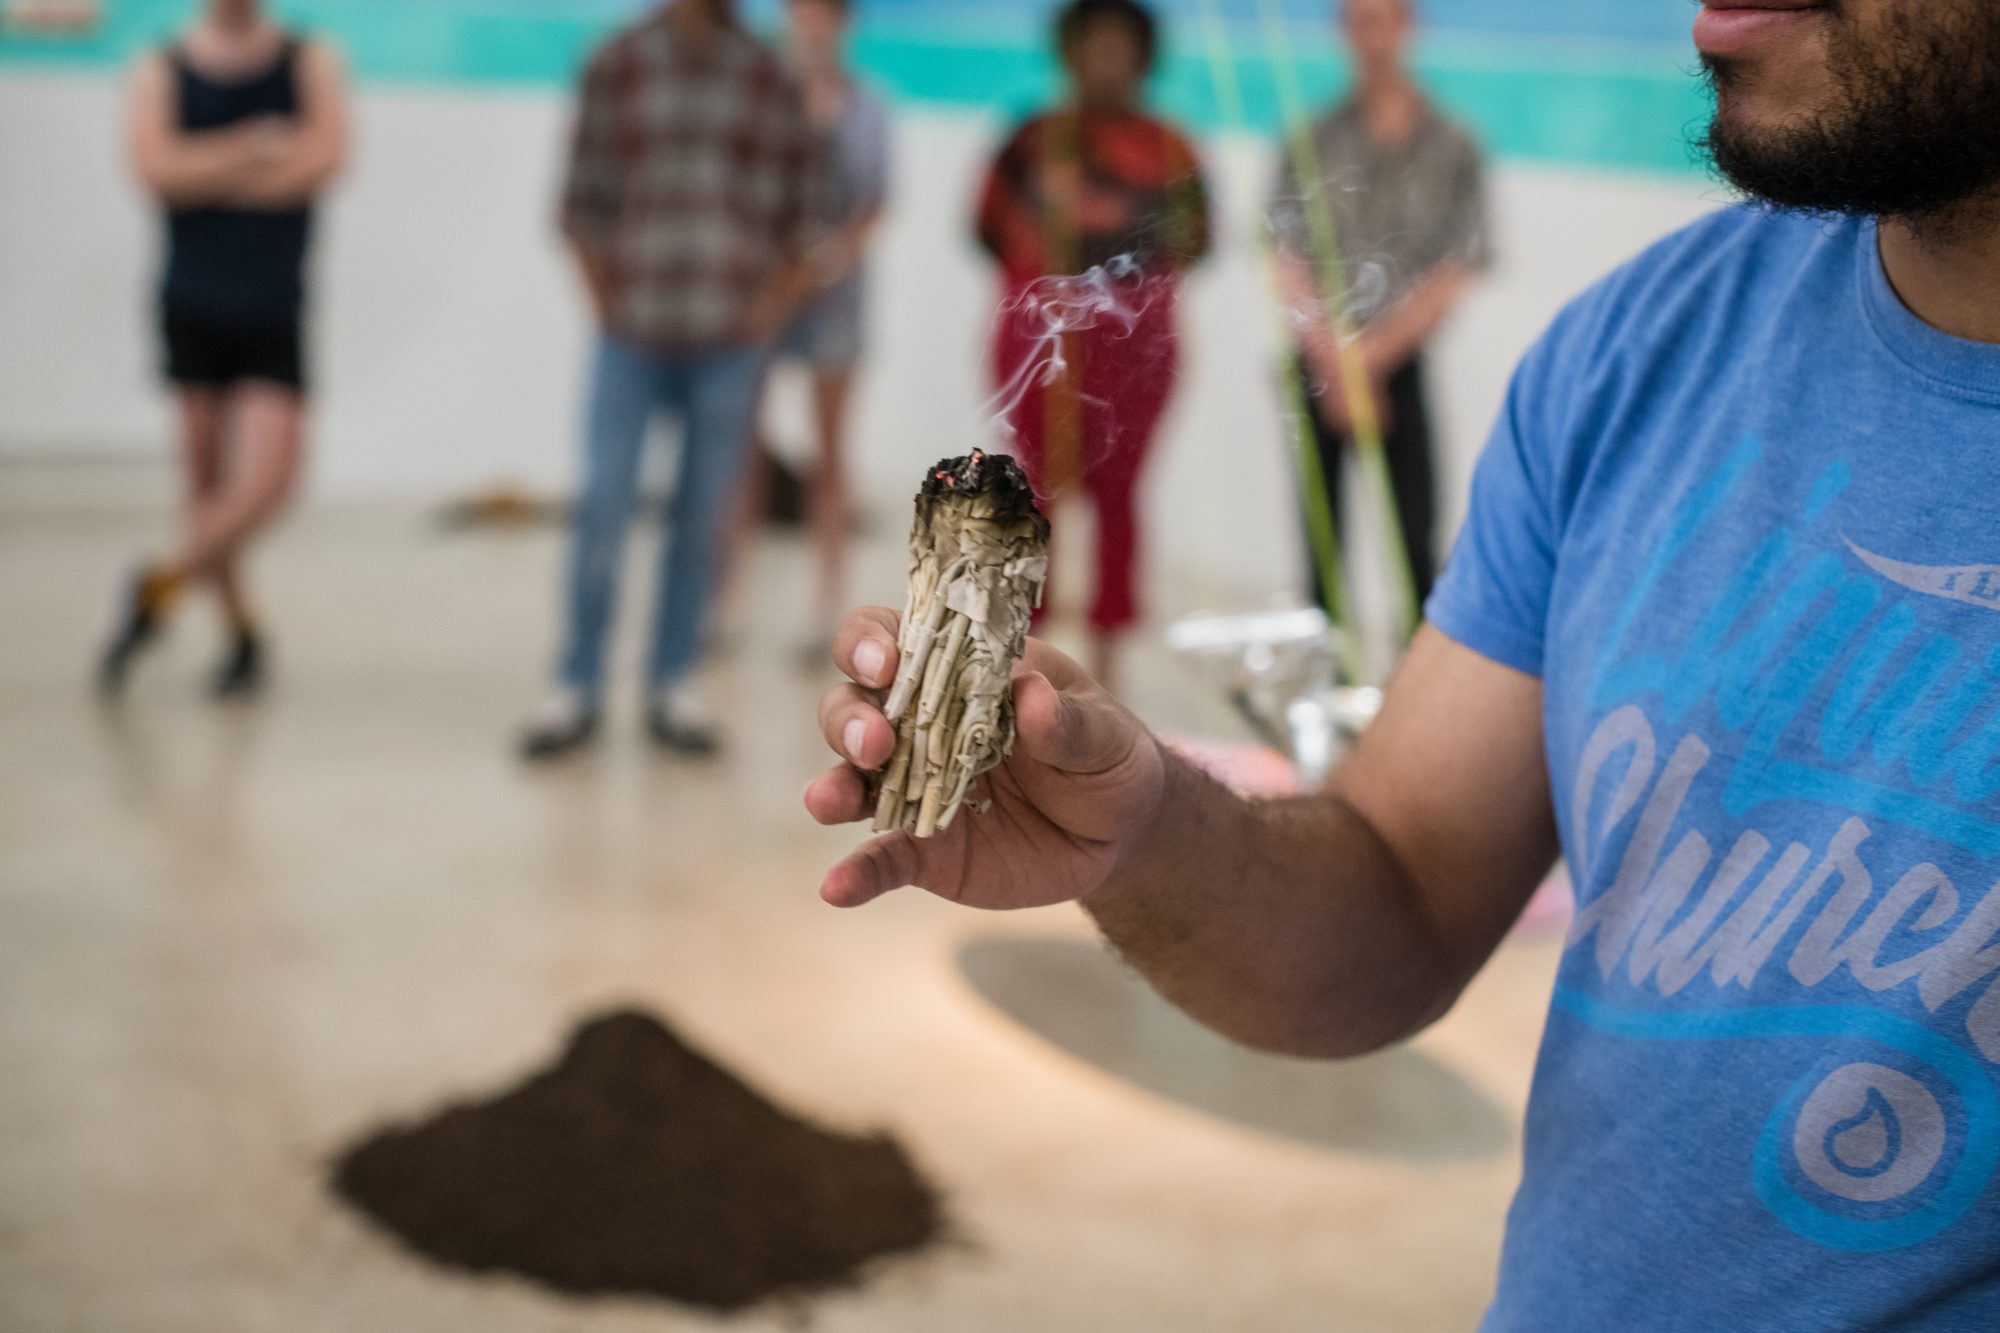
{"x": 449, "y": 336}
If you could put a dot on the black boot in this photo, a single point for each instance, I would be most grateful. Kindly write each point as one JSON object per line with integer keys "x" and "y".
{"x": 138, "y": 627}
{"x": 242, "y": 671}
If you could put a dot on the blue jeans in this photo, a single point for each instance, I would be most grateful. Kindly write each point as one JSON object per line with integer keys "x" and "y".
{"x": 714, "y": 394}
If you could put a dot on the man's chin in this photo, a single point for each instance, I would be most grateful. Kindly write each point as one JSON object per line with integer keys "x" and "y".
{"x": 1754, "y": 158}
{"x": 1750, "y": 134}
{"x": 1735, "y": 136}
{"x": 1755, "y": 142}
{"x": 1762, "y": 97}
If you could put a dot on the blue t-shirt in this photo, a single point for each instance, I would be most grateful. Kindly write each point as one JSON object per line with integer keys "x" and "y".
{"x": 1741, "y": 515}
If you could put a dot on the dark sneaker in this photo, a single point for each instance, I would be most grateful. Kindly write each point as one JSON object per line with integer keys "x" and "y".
{"x": 242, "y": 671}
{"x": 138, "y": 627}
{"x": 677, "y": 721}
{"x": 564, "y": 721}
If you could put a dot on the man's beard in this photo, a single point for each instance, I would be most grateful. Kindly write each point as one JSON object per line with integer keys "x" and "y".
{"x": 1912, "y": 131}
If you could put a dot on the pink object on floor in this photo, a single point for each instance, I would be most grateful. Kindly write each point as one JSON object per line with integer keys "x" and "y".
{"x": 1549, "y": 911}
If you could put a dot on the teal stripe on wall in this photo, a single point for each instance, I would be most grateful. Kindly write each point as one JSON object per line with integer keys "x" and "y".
{"x": 1617, "y": 106}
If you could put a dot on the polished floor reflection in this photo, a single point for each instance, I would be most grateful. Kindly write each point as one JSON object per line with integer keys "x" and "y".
{"x": 1396, "y": 1103}
{"x": 232, "y": 938}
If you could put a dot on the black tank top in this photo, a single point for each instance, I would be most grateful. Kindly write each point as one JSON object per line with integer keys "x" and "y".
{"x": 236, "y": 262}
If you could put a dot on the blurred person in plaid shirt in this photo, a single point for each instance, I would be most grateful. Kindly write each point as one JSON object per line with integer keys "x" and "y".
{"x": 692, "y": 179}
{"x": 1094, "y": 187}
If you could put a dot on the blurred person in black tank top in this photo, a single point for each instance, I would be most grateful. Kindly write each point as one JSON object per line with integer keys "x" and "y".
{"x": 235, "y": 130}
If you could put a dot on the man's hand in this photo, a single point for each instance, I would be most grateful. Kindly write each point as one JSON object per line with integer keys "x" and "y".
{"x": 1078, "y": 794}
{"x": 835, "y": 257}
{"x": 595, "y": 272}
{"x": 271, "y": 138}
{"x": 766, "y": 315}
{"x": 1323, "y": 924}
{"x": 778, "y": 301}
{"x": 1332, "y": 402}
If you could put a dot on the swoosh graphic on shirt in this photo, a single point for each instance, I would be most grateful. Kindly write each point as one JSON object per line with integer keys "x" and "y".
{"x": 1974, "y": 585}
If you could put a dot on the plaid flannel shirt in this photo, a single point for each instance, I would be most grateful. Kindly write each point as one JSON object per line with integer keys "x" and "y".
{"x": 693, "y": 174}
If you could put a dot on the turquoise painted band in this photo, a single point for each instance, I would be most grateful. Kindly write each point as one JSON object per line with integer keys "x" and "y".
{"x": 1618, "y": 105}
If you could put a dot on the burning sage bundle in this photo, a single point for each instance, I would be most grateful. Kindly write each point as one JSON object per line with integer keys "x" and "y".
{"x": 978, "y": 558}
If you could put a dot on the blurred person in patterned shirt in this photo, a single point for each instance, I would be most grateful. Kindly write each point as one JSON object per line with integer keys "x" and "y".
{"x": 1398, "y": 191}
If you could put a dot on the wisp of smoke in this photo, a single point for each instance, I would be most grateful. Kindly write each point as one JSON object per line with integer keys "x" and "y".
{"x": 1368, "y": 289}
{"x": 1368, "y": 282}
{"x": 1112, "y": 295}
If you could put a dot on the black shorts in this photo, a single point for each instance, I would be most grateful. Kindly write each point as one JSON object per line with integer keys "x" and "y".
{"x": 216, "y": 351}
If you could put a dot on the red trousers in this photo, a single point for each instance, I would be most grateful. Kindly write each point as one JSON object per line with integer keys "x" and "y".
{"x": 1093, "y": 425}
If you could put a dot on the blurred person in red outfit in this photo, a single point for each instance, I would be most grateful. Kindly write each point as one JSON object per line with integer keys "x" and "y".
{"x": 1094, "y": 187}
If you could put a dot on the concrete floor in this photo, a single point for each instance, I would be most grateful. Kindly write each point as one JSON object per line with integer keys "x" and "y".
{"x": 230, "y": 939}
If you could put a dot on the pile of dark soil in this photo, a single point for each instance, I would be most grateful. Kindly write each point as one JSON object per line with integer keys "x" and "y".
{"x": 636, "y": 1165}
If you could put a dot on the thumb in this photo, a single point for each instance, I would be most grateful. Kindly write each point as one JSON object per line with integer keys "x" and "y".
{"x": 1082, "y": 733}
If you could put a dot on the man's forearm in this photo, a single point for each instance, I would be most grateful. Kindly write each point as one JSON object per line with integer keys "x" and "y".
{"x": 287, "y": 181}
{"x": 204, "y": 167}
{"x": 306, "y": 152}
{"x": 1401, "y": 333}
{"x": 1389, "y": 340}
{"x": 792, "y": 284}
{"x": 1284, "y": 924}
{"x": 779, "y": 298}
{"x": 835, "y": 261}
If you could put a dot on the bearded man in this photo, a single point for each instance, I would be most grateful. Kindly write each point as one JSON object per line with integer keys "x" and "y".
{"x": 1723, "y": 626}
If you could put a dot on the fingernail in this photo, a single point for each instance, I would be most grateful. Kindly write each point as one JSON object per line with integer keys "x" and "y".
{"x": 851, "y": 736}
{"x": 869, "y": 659}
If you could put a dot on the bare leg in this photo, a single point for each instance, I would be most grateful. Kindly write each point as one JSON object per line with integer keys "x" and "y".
{"x": 831, "y": 516}
{"x": 202, "y": 470}
{"x": 201, "y": 446}
{"x": 201, "y": 440}
{"x": 228, "y": 581}
{"x": 268, "y": 429}
{"x": 152, "y": 593}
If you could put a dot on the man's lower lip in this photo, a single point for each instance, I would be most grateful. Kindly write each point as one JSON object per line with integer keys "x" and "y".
{"x": 1728, "y": 32}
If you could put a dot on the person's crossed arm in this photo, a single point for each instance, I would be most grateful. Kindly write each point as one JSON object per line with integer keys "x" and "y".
{"x": 1327, "y": 924}
{"x": 316, "y": 148}
{"x": 264, "y": 162}
{"x": 181, "y": 169}
{"x": 1385, "y": 345}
